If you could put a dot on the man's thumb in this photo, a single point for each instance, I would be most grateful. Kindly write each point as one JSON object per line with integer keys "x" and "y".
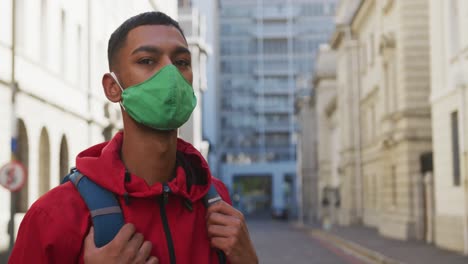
{"x": 89, "y": 240}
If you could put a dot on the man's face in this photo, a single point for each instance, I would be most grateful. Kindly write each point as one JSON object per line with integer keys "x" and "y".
{"x": 148, "y": 49}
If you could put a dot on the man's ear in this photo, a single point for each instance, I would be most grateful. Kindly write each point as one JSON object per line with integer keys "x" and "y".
{"x": 111, "y": 88}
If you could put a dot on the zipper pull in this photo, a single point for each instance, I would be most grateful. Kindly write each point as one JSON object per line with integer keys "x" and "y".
{"x": 188, "y": 204}
{"x": 166, "y": 191}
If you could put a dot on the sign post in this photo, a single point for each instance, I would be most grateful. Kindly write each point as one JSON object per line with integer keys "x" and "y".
{"x": 13, "y": 175}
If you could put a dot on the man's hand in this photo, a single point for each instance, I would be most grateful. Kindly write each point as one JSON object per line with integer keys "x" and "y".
{"x": 126, "y": 247}
{"x": 228, "y": 231}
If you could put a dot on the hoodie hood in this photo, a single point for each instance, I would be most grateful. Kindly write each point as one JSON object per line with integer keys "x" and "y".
{"x": 103, "y": 165}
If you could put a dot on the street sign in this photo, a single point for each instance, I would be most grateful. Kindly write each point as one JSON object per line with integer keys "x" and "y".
{"x": 13, "y": 176}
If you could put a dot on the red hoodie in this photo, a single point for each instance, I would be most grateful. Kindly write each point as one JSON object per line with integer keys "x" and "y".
{"x": 54, "y": 228}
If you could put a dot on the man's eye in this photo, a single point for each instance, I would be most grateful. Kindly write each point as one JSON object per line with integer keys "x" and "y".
{"x": 146, "y": 61}
{"x": 182, "y": 63}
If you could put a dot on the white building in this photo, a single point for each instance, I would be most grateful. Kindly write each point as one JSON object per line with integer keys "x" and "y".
{"x": 59, "y": 57}
{"x": 194, "y": 26}
{"x": 449, "y": 49}
{"x": 211, "y": 104}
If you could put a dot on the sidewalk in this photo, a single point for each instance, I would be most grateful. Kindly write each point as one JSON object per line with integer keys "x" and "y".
{"x": 367, "y": 243}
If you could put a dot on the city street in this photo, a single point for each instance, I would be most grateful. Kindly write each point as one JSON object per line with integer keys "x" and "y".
{"x": 339, "y": 128}
{"x": 278, "y": 242}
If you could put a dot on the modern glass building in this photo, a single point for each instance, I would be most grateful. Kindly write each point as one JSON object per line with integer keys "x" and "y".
{"x": 267, "y": 52}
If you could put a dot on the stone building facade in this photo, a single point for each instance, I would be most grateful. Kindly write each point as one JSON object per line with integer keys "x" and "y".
{"x": 346, "y": 46}
{"x": 394, "y": 112}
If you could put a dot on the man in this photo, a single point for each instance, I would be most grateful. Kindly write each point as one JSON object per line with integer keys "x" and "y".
{"x": 166, "y": 220}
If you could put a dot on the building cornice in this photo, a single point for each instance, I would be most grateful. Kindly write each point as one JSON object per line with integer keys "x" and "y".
{"x": 344, "y": 17}
{"x": 318, "y": 79}
{"x": 336, "y": 37}
{"x": 388, "y": 5}
{"x": 362, "y": 12}
{"x": 341, "y": 33}
{"x": 331, "y": 106}
{"x": 3, "y": 82}
{"x": 371, "y": 95}
{"x": 387, "y": 42}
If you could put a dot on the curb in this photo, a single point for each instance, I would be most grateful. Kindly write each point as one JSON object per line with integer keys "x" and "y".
{"x": 352, "y": 248}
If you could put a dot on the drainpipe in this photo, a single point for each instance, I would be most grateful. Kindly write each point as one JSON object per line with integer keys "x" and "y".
{"x": 14, "y": 123}
{"x": 89, "y": 94}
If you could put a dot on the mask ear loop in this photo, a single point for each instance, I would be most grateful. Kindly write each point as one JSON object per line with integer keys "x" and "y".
{"x": 120, "y": 86}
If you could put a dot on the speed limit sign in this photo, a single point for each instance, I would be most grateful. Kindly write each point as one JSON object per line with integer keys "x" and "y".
{"x": 13, "y": 176}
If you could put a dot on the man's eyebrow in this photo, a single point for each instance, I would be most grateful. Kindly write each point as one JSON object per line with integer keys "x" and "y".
{"x": 150, "y": 49}
{"x": 181, "y": 50}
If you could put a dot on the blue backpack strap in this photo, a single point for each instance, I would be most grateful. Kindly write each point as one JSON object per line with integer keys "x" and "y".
{"x": 212, "y": 197}
{"x": 104, "y": 208}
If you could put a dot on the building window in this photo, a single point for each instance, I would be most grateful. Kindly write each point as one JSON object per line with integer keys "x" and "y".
{"x": 455, "y": 149}
{"x": 371, "y": 49}
{"x": 365, "y": 126}
{"x": 78, "y": 55}
{"x": 363, "y": 58}
{"x": 393, "y": 179}
{"x": 275, "y": 46}
{"x": 454, "y": 27}
{"x": 387, "y": 88}
{"x": 20, "y": 20}
{"x": 63, "y": 43}
{"x": 367, "y": 190}
{"x": 369, "y": 133}
{"x": 64, "y": 158}
{"x": 393, "y": 84}
{"x": 373, "y": 123}
{"x": 44, "y": 32}
{"x": 375, "y": 191}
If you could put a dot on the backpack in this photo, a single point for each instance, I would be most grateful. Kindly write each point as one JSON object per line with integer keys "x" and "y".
{"x": 105, "y": 209}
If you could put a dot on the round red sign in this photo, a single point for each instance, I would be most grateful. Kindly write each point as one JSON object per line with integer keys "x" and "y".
{"x": 13, "y": 176}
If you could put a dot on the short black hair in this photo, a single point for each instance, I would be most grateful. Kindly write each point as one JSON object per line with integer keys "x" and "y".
{"x": 118, "y": 38}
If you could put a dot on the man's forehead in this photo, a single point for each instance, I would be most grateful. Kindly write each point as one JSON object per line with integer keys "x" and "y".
{"x": 155, "y": 35}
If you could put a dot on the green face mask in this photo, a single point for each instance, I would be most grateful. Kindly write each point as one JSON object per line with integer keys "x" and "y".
{"x": 165, "y": 101}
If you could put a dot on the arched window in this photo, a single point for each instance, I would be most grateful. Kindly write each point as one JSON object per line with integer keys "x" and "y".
{"x": 22, "y": 155}
{"x": 44, "y": 162}
{"x": 63, "y": 166}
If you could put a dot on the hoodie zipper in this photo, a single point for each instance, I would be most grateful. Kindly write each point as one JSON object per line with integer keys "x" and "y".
{"x": 167, "y": 231}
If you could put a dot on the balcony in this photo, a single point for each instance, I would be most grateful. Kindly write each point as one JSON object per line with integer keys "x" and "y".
{"x": 272, "y": 91}
{"x": 274, "y": 127}
{"x": 276, "y": 13}
{"x": 281, "y": 109}
{"x": 274, "y": 71}
{"x": 276, "y": 32}
{"x": 270, "y": 146}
